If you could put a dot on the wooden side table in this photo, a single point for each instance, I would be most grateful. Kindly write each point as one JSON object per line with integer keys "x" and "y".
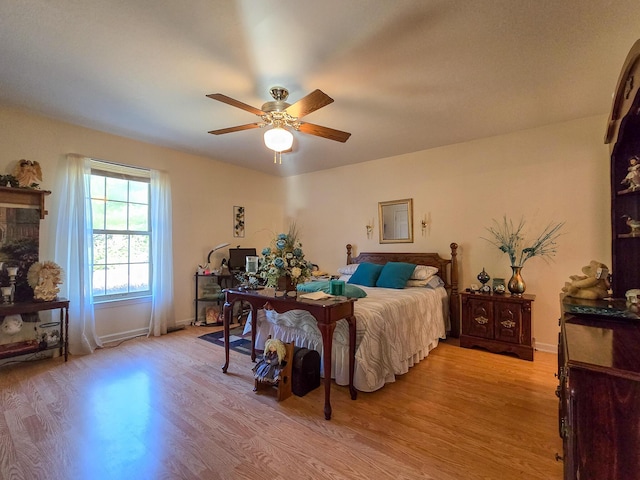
{"x": 499, "y": 323}
{"x": 19, "y": 308}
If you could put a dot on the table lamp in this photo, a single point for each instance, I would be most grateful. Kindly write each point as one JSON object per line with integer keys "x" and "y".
{"x": 217, "y": 247}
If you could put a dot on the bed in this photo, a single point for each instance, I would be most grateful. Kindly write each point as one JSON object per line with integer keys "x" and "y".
{"x": 396, "y": 328}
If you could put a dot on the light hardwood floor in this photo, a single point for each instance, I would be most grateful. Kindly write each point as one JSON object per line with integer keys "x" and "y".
{"x": 161, "y": 408}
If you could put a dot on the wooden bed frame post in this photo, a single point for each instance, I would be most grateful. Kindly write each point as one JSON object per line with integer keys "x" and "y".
{"x": 454, "y": 296}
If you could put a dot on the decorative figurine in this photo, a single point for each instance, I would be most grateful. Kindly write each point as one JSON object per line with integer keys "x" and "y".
{"x": 633, "y": 176}
{"x": 633, "y": 300}
{"x": 44, "y": 278}
{"x": 634, "y": 225}
{"x": 268, "y": 369}
{"x": 484, "y": 277}
{"x": 28, "y": 173}
{"x": 11, "y": 324}
{"x": 592, "y": 285}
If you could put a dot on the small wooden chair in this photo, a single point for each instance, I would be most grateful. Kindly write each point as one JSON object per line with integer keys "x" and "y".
{"x": 283, "y": 387}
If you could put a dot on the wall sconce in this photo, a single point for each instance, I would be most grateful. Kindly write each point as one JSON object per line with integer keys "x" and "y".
{"x": 425, "y": 223}
{"x": 369, "y": 227}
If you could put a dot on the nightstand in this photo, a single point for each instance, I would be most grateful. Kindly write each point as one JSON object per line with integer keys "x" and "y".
{"x": 499, "y": 323}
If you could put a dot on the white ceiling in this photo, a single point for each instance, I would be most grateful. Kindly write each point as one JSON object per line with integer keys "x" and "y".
{"x": 406, "y": 75}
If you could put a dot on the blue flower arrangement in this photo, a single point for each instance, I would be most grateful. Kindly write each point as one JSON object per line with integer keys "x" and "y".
{"x": 284, "y": 257}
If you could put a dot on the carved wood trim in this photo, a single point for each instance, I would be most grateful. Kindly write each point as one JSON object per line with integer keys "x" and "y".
{"x": 622, "y": 97}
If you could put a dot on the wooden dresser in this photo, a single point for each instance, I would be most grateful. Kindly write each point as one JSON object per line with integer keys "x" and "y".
{"x": 599, "y": 390}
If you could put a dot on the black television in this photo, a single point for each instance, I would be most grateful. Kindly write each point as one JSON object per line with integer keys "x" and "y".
{"x": 238, "y": 258}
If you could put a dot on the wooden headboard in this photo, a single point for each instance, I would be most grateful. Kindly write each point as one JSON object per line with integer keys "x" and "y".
{"x": 447, "y": 270}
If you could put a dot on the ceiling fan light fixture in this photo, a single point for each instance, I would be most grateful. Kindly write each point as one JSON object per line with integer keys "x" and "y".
{"x": 278, "y": 139}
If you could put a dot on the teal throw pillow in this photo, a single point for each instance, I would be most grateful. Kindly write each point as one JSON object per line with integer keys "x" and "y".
{"x": 366, "y": 274}
{"x": 395, "y": 275}
{"x": 350, "y": 291}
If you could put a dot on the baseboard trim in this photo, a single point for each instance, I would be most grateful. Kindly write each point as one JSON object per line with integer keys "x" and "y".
{"x": 546, "y": 347}
{"x": 121, "y": 336}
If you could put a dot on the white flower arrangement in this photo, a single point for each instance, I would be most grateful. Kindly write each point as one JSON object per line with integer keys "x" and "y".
{"x": 509, "y": 239}
{"x": 284, "y": 257}
{"x": 44, "y": 278}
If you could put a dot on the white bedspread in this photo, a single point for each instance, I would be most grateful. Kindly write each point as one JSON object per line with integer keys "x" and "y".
{"x": 395, "y": 330}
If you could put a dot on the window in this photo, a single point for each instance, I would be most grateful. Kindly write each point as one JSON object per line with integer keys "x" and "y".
{"x": 120, "y": 198}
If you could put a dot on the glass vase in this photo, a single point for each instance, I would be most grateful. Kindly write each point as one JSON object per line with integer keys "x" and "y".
{"x": 516, "y": 283}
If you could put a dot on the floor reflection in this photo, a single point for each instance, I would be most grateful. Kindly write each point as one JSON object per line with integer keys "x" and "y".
{"x": 121, "y": 428}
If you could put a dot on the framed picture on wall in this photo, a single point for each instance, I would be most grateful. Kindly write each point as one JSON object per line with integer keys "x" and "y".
{"x": 238, "y": 222}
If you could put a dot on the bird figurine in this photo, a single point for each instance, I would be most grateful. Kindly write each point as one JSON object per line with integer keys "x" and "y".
{"x": 28, "y": 173}
{"x": 634, "y": 225}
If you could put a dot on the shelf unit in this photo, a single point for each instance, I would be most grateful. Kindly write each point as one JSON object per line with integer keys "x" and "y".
{"x": 208, "y": 292}
{"x": 623, "y": 137}
{"x": 34, "y": 199}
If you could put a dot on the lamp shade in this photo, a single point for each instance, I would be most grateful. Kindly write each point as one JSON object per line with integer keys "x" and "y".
{"x": 278, "y": 139}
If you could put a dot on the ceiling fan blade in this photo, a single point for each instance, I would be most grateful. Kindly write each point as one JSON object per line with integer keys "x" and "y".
{"x": 239, "y": 128}
{"x": 235, "y": 103}
{"x": 326, "y": 132}
{"x": 306, "y": 105}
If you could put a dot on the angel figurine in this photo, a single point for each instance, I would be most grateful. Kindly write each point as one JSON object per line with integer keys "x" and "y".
{"x": 28, "y": 173}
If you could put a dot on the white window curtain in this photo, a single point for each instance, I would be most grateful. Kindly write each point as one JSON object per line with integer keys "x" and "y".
{"x": 161, "y": 254}
{"x": 73, "y": 252}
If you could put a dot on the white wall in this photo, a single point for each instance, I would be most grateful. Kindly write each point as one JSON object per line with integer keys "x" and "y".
{"x": 204, "y": 192}
{"x": 554, "y": 173}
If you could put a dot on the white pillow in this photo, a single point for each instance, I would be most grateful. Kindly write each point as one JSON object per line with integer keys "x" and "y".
{"x": 345, "y": 278}
{"x": 432, "y": 282}
{"x": 348, "y": 269}
{"x": 423, "y": 272}
{"x": 416, "y": 283}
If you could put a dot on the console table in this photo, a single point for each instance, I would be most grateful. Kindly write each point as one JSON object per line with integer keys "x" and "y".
{"x": 326, "y": 312}
{"x": 19, "y": 308}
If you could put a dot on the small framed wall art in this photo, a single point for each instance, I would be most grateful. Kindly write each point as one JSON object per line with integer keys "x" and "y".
{"x": 238, "y": 222}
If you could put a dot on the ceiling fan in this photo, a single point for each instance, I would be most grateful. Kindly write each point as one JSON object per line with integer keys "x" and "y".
{"x": 280, "y": 115}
